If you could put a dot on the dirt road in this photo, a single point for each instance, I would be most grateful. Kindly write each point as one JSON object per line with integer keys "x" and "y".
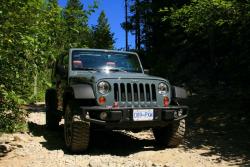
{"x": 40, "y": 148}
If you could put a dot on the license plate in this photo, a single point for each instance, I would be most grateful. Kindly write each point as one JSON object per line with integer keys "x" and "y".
{"x": 143, "y": 114}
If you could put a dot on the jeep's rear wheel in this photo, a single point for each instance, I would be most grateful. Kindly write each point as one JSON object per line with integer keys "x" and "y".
{"x": 52, "y": 118}
{"x": 76, "y": 131}
{"x": 171, "y": 135}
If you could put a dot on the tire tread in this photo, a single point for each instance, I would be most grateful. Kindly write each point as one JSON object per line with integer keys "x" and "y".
{"x": 170, "y": 136}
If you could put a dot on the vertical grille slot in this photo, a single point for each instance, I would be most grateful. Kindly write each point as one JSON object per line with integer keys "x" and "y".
{"x": 153, "y": 92}
{"x": 148, "y": 95}
{"x": 141, "y": 87}
{"x": 129, "y": 92}
{"x": 116, "y": 92}
{"x": 123, "y": 93}
{"x": 135, "y": 88}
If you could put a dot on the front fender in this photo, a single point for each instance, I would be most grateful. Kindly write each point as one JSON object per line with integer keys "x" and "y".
{"x": 83, "y": 91}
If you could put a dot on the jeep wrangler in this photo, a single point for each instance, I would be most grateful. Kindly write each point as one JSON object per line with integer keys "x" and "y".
{"x": 109, "y": 90}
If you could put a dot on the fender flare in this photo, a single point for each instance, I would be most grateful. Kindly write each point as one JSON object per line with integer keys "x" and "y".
{"x": 83, "y": 91}
{"x": 179, "y": 93}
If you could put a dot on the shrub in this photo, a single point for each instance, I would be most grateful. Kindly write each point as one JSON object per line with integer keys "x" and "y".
{"x": 12, "y": 118}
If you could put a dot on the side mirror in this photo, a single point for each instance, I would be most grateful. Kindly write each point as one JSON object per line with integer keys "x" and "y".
{"x": 146, "y": 71}
{"x": 61, "y": 70}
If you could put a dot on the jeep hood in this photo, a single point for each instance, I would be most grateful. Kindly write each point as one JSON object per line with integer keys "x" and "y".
{"x": 95, "y": 76}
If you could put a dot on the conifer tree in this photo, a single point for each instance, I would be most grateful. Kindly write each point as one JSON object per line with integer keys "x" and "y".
{"x": 76, "y": 19}
{"x": 103, "y": 37}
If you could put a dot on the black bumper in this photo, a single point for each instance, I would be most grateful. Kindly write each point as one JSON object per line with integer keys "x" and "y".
{"x": 122, "y": 118}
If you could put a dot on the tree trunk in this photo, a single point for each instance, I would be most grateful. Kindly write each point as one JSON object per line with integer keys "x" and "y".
{"x": 137, "y": 26}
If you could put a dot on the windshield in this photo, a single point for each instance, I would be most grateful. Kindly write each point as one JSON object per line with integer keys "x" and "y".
{"x": 86, "y": 60}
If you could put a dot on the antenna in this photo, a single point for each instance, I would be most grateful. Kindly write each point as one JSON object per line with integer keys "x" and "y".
{"x": 126, "y": 23}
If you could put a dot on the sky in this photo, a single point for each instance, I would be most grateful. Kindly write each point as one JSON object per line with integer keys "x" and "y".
{"x": 115, "y": 13}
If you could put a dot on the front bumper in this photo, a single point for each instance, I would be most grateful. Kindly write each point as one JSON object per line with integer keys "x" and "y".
{"x": 122, "y": 118}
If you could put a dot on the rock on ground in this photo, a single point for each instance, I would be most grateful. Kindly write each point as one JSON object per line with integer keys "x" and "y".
{"x": 41, "y": 148}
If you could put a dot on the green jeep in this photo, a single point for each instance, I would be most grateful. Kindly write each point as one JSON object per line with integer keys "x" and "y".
{"x": 105, "y": 90}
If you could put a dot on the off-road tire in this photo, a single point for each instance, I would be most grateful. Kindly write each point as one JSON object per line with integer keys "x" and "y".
{"x": 171, "y": 135}
{"x": 78, "y": 133}
{"x": 52, "y": 118}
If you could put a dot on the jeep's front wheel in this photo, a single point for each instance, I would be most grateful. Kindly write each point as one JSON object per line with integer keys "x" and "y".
{"x": 52, "y": 116}
{"x": 170, "y": 136}
{"x": 76, "y": 131}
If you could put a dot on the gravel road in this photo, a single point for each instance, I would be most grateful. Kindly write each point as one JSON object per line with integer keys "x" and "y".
{"x": 40, "y": 148}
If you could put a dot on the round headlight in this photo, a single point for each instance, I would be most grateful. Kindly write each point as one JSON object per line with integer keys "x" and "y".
{"x": 163, "y": 88}
{"x": 103, "y": 87}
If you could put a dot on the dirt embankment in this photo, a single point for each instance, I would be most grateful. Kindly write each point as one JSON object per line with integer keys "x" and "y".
{"x": 40, "y": 147}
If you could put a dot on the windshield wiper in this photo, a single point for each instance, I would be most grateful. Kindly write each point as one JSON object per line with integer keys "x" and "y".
{"x": 89, "y": 69}
{"x": 117, "y": 69}
{"x": 86, "y": 69}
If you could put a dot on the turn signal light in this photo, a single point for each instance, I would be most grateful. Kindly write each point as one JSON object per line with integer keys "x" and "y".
{"x": 102, "y": 100}
{"x": 166, "y": 101}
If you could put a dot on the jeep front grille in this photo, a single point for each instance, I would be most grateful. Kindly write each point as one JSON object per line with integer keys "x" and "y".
{"x": 134, "y": 92}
